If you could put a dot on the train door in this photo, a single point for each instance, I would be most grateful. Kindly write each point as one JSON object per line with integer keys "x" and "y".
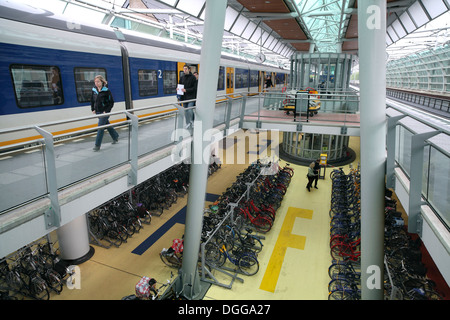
{"x": 262, "y": 77}
{"x": 180, "y": 65}
{"x": 230, "y": 80}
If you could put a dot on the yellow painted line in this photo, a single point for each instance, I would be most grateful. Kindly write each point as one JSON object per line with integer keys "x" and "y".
{"x": 285, "y": 239}
{"x": 21, "y": 140}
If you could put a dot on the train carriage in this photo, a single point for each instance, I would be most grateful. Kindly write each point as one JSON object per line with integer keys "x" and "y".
{"x": 48, "y": 64}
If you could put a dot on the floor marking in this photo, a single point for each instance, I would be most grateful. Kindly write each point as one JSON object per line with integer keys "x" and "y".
{"x": 285, "y": 239}
{"x": 179, "y": 217}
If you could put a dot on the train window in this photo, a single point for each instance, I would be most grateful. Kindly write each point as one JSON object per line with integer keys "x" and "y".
{"x": 221, "y": 80}
{"x": 148, "y": 82}
{"x": 241, "y": 78}
{"x": 37, "y": 86}
{"x": 84, "y": 82}
{"x": 279, "y": 78}
{"x": 170, "y": 81}
{"x": 254, "y": 76}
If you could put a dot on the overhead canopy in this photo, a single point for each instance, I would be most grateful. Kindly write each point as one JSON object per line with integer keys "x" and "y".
{"x": 277, "y": 28}
{"x": 286, "y": 26}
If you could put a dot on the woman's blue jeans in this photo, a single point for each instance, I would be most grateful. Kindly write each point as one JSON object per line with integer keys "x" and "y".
{"x": 102, "y": 121}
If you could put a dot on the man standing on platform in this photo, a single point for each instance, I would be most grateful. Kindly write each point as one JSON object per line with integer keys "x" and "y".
{"x": 189, "y": 90}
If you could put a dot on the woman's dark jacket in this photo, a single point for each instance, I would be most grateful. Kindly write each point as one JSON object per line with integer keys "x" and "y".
{"x": 101, "y": 101}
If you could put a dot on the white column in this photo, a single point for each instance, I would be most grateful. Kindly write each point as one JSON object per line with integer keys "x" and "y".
{"x": 204, "y": 117}
{"x": 372, "y": 73}
{"x": 73, "y": 239}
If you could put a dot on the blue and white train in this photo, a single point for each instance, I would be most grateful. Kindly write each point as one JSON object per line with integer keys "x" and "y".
{"x": 47, "y": 67}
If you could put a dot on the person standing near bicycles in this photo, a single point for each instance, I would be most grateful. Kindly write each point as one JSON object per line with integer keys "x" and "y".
{"x": 311, "y": 176}
{"x": 316, "y": 172}
{"x": 145, "y": 287}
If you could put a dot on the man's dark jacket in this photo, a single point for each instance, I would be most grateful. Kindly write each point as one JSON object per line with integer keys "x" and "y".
{"x": 190, "y": 84}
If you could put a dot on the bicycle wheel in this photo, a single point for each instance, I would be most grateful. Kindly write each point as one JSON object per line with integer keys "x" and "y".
{"x": 262, "y": 224}
{"x": 337, "y": 269}
{"x": 342, "y": 295}
{"x": 340, "y": 283}
{"x": 54, "y": 281}
{"x": 114, "y": 238}
{"x": 170, "y": 259}
{"x": 213, "y": 255}
{"x": 248, "y": 265}
{"x": 340, "y": 251}
{"x": 252, "y": 243}
{"x": 38, "y": 289}
{"x": 289, "y": 171}
{"x": 14, "y": 280}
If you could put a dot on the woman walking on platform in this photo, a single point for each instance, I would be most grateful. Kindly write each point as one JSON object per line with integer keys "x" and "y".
{"x": 102, "y": 102}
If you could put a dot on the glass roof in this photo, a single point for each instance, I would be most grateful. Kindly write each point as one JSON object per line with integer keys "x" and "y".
{"x": 325, "y": 20}
{"x": 429, "y": 37}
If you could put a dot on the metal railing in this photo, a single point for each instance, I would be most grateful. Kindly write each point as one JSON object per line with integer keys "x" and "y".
{"x": 342, "y": 102}
{"x": 440, "y": 104}
{"x": 46, "y": 162}
{"x": 59, "y": 154}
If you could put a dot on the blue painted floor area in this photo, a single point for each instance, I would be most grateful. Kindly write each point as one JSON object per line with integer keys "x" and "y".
{"x": 179, "y": 217}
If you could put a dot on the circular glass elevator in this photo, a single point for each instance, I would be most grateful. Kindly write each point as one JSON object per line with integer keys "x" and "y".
{"x": 329, "y": 74}
{"x": 302, "y": 148}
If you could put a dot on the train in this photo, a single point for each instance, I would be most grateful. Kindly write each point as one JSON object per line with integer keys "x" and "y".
{"x": 48, "y": 64}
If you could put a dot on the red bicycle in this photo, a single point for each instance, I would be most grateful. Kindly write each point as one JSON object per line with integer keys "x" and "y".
{"x": 270, "y": 185}
{"x": 261, "y": 209}
{"x": 346, "y": 250}
{"x": 260, "y": 222}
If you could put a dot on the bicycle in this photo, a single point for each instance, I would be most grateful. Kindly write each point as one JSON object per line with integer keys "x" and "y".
{"x": 262, "y": 209}
{"x": 173, "y": 257}
{"x": 261, "y": 223}
{"x": 342, "y": 289}
{"x": 33, "y": 261}
{"x": 104, "y": 229}
{"x": 420, "y": 289}
{"x": 233, "y": 239}
{"x": 28, "y": 283}
{"x": 346, "y": 250}
{"x": 346, "y": 269}
{"x": 245, "y": 260}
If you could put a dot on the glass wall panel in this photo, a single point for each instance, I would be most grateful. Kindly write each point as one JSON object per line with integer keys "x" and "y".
{"x": 403, "y": 150}
{"x": 17, "y": 172}
{"x": 439, "y": 184}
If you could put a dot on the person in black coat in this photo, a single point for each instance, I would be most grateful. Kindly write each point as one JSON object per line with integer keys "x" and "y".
{"x": 268, "y": 83}
{"x": 316, "y": 172}
{"x": 102, "y": 102}
{"x": 189, "y": 81}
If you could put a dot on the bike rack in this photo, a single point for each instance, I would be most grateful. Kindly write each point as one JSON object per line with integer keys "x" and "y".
{"x": 205, "y": 270}
{"x": 396, "y": 293}
{"x": 231, "y": 272}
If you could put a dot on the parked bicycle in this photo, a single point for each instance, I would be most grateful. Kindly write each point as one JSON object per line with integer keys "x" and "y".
{"x": 245, "y": 260}
{"x": 173, "y": 256}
